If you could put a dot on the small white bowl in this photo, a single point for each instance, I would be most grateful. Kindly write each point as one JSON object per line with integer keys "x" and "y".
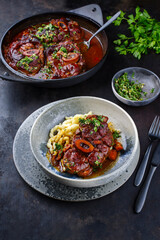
{"x": 142, "y": 75}
{"x": 69, "y": 107}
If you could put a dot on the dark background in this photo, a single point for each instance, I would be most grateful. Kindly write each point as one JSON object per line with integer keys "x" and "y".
{"x": 28, "y": 215}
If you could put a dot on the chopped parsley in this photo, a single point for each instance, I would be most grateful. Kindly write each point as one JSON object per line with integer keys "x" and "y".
{"x": 129, "y": 89}
{"x": 58, "y": 146}
{"x": 96, "y": 122}
{"x": 95, "y": 128}
{"x": 46, "y": 69}
{"x": 66, "y": 35}
{"x": 46, "y": 32}
{"x": 100, "y": 118}
{"x": 97, "y": 163}
{"x": 116, "y": 134}
{"x": 63, "y": 49}
{"x": 24, "y": 62}
{"x": 82, "y": 120}
{"x": 54, "y": 55}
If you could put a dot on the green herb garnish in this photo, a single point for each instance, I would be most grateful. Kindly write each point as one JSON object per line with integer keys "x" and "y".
{"x": 24, "y": 62}
{"x": 63, "y": 49}
{"x": 116, "y": 134}
{"x": 96, "y": 122}
{"x": 95, "y": 129}
{"x": 58, "y": 146}
{"x": 144, "y": 34}
{"x": 129, "y": 89}
{"x": 97, "y": 163}
{"x": 82, "y": 120}
{"x": 152, "y": 90}
{"x": 46, "y": 32}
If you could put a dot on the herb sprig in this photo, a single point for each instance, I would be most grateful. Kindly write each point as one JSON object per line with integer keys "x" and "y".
{"x": 144, "y": 34}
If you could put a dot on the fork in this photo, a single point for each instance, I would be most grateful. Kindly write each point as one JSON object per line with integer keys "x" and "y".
{"x": 153, "y": 134}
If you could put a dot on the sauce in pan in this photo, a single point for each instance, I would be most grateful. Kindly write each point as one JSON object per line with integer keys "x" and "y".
{"x": 53, "y": 50}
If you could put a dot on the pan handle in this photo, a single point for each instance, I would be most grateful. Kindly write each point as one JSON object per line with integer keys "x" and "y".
{"x": 92, "y": 11}
{"x": 5, "y": 74}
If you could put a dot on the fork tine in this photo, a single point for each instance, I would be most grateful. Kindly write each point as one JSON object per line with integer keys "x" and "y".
{"x": 153, "y": 125}
{"x": 156, "y": 126}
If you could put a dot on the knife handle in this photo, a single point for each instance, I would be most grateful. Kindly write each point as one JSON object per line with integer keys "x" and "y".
{"x": 144, "y": 190}
{"x": 143, "y": 165}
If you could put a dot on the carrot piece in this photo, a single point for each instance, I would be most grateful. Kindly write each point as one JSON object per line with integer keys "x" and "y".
{"x": 97, "y": 142}
{"x": 63, "y": 26}
{"x": 118, "y": 146}
{"x": 112, "y": 154}
{"x": 81, "y": 142}
{"x": 59, "y": 155}
{"x": 66, "y": 147}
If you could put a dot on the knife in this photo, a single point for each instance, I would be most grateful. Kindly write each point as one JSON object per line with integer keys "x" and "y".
{"x": 139, "y": 203}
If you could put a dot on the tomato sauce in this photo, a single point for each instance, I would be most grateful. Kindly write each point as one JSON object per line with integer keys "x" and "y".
{"x": 94, "y": 54}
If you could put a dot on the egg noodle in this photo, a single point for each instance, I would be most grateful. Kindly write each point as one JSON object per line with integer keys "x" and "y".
{"x": 63, "y": 133}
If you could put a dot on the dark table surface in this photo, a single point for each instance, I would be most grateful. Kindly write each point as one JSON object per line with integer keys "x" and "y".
{"x": 27, "y": 214}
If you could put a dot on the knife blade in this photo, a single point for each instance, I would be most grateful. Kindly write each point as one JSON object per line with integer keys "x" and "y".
{"x": 155, "y": 162}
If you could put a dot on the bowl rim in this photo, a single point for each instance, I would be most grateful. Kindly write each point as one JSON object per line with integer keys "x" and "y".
{"x": 132, "y": 101}
{"x": 97, "y": 180}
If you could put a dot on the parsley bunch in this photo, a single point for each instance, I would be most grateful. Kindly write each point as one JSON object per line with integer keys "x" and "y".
{"x": 144, "y": 34}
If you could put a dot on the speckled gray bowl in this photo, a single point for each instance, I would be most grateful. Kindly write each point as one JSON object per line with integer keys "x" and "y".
{"x": 56, "y": 114}
{"x": 142, "y": 75}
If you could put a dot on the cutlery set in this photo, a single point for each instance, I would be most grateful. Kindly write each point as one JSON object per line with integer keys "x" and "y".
{"x": 154, "y": 135}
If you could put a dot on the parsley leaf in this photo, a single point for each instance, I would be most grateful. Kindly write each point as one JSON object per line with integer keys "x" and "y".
{"x": 116, "y": 134}
{"x": 144, "y": 34}
{"x": 58, "y": 146}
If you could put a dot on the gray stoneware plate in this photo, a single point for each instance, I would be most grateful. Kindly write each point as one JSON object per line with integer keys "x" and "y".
{"x": 56, "y": 114}
{"x": 32, "y": 173}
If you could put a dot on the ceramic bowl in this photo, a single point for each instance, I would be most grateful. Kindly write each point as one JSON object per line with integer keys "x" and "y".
{"x": 141, "y": 75}
{"x": 69, "y": 107}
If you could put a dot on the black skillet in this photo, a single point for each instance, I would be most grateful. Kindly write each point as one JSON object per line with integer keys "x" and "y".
{"x": 8, "y": 73}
